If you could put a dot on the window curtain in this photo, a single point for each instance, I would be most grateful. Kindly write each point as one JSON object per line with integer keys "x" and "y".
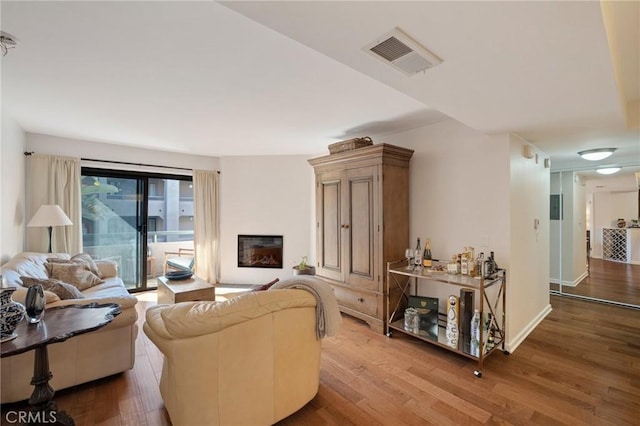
{"x": 54, "y": 180}
{"x": 206, "y": 226}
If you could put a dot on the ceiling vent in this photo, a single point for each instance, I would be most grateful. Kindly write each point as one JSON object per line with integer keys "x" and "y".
{"x": 401, "y": 52}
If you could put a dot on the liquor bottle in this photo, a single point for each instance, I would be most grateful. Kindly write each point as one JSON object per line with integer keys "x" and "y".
{"x": 475, "y": 333}
{"x": 489, "y": 337}
{"x": 480, "y": 265}
{"x": 472, "y": 262}
{"x": 489, "y": 266}
{"x": 417, "y": 260}
{"x": 494, "y": 265}
{"x": 453, "y": 315}
{"x": 427, "y": 261}
{"x": 464, "y": 264}
{"x": 466, "y": 308}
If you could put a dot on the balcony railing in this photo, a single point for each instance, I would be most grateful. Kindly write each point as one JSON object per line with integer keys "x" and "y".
{"x": 121, "y": 247}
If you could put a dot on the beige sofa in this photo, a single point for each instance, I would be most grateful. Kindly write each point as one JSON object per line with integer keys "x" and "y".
{"x": 81, "y": 359}
{"x": 251, "y": 360}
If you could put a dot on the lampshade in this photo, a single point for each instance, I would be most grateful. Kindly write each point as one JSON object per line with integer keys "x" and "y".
{"x": 50, "y": 215}
{"x": 609, "y": 170}
{"x": 596, "y": 154}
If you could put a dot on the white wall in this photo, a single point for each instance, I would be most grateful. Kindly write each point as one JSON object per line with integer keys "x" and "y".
{"x": 624, "y": 205}
{"x": 459, "y": 187}
{"x": 470, "y": 189}
{"x": 45, "y": 144}
{"x": 12, "y": 186}
{"x": 528, "y": 274}
{"x": 268, "y": 195}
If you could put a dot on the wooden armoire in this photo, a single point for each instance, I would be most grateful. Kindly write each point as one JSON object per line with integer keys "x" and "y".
{"x": 362, "y": 222}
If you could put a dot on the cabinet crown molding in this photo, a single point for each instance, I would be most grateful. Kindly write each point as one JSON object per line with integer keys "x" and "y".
{"x": 375, "y": 154}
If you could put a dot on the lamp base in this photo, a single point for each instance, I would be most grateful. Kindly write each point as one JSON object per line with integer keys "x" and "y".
{"x": 50, "y": 230}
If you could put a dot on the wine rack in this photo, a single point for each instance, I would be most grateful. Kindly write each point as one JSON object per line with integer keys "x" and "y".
{"x": 614, "y": 244}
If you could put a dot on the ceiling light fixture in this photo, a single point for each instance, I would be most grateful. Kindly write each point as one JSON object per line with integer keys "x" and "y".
{"x": 609, "y": 170}
{"x": 7, "y": 41}
{"x": 596, "y": 154}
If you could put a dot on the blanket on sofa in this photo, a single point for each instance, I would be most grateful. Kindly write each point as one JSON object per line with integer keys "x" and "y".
{"x": 328, "y": 318}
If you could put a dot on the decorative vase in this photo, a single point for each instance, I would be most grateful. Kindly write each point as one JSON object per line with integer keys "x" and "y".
{"x": 34, "y": 304}
{"x": 622, "y": 223}
{"x": 11, "y": 313}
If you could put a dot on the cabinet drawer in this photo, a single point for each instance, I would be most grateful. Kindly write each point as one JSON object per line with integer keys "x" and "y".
{"x": 358, "y": 301}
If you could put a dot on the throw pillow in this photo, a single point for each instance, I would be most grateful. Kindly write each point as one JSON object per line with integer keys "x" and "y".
{"x": 267, "y": 285}
{"x": 61, "y": 289}
{"x": 21, "y": 294}
{"x": 73, "y": 273}
{"x": 67, "y": 261}
{"x": 82, "y": 259}
{"x": 92, "y": 263}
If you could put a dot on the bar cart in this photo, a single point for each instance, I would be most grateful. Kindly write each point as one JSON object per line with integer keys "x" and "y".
{"x": 408, "y": 280}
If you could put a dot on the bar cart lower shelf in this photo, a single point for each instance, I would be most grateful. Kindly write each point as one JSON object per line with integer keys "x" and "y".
{"x": 402, "y": 278}
{"x": 399, "y": 326}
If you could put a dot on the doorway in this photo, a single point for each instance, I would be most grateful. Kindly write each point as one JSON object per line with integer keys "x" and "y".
{"x": 133, "y": 218}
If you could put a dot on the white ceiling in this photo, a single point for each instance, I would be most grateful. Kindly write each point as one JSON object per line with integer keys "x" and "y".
{"x": 239, "y": 78}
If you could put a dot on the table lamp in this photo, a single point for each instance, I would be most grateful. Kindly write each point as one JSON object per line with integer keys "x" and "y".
{"x": 50, "y": 215}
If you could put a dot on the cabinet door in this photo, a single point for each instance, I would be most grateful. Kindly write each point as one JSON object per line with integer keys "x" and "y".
{"x": 361, "y": 218}
{"x": 329, "y": 189}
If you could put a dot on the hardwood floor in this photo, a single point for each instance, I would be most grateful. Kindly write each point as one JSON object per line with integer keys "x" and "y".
{"x": 581, "y": 366}
{"x": 618, "y": 282}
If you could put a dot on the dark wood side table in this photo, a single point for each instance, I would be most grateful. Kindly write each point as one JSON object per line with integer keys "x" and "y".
{"x": 57, "y": 325}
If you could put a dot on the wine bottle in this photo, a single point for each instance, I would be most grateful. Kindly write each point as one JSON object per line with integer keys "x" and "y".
{"x": 418, "y": 254}
{"x": 427, "y": 261}
{"x": 494, "y": 265}
{"x": 480, "y": 265}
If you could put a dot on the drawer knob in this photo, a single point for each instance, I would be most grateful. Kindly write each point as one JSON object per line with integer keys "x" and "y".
{"x": 360, "y": 299}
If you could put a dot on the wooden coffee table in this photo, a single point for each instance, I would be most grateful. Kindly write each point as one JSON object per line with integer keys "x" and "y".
{"x": 191, "y": 289}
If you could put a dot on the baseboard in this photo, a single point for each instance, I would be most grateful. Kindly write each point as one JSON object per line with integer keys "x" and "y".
{"x": 574, "y": 283}
{"x": 584, "y": 275}
{"x": 513, "y": 344}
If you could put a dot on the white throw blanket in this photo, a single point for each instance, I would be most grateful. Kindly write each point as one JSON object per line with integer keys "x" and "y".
{"x": 328, "y": 318}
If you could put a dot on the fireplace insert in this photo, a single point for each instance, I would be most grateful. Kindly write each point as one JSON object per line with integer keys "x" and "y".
{"x": 260, "y": 251}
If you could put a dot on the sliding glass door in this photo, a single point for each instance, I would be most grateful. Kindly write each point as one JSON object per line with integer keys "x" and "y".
{"x": 134, "y": 218}
{"x": 584, "y": 262}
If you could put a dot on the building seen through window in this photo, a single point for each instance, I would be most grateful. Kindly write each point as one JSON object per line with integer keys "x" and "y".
{"x": 115, "y": 206}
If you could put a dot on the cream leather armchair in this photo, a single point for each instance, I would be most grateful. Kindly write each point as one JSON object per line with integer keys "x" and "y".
{"x": 251, "y": 360}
